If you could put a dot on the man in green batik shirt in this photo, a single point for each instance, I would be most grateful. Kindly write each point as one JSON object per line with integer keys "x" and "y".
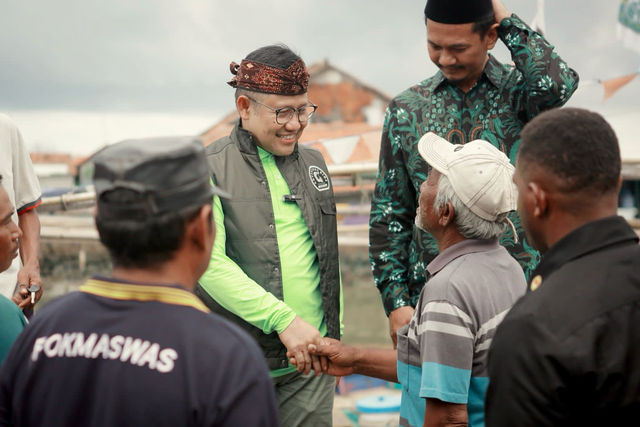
{"x": 473, "y": 96}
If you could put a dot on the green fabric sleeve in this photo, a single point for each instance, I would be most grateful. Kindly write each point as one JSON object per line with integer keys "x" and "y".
{"x": 225, "y": 281}
{"x": 393, "y": 210}
{"x": 12, "y": 322}
{"x": 549, "y": 81}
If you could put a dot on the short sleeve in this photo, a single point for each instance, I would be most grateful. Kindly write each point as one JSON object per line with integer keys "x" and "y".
{"x": 12, "y": 322}
{"x": 25, "y": 182}
{"x": 248, "y": 396}
{"x": 446, "y": 341}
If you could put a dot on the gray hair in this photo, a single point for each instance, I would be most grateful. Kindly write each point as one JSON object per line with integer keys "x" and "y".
{"x": 470, "y": 225}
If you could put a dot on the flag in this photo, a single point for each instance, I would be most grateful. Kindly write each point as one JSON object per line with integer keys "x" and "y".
{"x": 598, "y": 90}
{"x": 611, "y": 86}
{"x": 629, "y": 24}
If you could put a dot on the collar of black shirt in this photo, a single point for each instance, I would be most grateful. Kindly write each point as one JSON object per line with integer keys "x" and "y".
{"x": 592, "y": 237}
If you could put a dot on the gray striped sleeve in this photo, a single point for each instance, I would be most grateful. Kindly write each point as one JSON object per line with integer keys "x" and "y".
{"x": 445, "y": 335}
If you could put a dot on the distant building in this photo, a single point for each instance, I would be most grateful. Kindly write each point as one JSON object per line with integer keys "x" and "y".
{"x": 56, "y": 172}
{"x": 346, "y": 128}
{"x": 624, "y": 121}
{"x": 350, "y": 115}
{"x": 341, "y": 97}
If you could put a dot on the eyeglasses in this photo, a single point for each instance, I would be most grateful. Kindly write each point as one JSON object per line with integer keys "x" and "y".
{"x": 284, "y": 115}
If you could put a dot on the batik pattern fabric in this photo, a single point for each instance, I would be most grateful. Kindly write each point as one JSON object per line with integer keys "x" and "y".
{"x": 496, "y": 109}
{"x": 259, "y": 77}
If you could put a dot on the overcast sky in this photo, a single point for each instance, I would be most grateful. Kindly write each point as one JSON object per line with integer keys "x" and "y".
{"x": 77, "y": 74}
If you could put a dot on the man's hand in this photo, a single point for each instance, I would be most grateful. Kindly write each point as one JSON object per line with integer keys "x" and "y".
{"x": 499, "y": 11}
{"x": 340, "y": 357}
{"x": 397, "y": 319}
{"x": 439, "y": 413}
{"x": 27, "y": 276}
{"x": 296, "y": 337}
{"x": 341, "y": 360}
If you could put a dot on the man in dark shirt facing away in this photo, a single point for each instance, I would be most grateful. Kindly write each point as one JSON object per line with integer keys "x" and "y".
{"x": 139, "y": 348}
{"x": 568, "y": 353}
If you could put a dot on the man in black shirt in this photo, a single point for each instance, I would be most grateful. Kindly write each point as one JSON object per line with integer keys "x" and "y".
{"x": 139, "y": 348}
{"x": 568, "y": 353}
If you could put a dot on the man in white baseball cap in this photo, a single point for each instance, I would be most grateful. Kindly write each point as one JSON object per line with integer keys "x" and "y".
{"x": 441, "y": 359}
{"x": 479, "y": 174}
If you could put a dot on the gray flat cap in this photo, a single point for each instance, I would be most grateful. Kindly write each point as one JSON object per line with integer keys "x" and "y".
{"x": 169, "y": 173}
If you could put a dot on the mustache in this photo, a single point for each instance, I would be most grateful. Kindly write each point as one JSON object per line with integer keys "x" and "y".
{"x": 455, "y": 67}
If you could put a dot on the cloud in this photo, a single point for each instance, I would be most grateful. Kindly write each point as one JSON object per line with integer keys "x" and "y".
{"x": 83, "y": 132}
{"x": 172, "y": 57}
{"x": 148, "y": 54}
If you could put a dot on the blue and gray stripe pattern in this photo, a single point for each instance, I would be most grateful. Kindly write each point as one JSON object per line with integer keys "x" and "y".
{"x": 442, "y": 352}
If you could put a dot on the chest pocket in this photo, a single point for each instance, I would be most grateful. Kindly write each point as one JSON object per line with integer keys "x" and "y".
{"x": 327, "y": 206}
{"x": 326, "y": 228}
{"x": 328, "y": 225}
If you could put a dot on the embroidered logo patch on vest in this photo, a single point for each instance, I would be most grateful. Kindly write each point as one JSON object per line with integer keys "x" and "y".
{"x": 319, "y": 178}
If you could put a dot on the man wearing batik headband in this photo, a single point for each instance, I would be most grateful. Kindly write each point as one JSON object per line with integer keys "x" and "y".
{"x": 472, "y": 96}
{"x": 274, "y": 268}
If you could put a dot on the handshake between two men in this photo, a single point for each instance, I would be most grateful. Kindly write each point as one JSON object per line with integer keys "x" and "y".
{"x": 335, "y": 358}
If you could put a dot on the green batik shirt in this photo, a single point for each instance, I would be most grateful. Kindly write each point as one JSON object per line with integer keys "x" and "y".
{"x": 496, "y": 109}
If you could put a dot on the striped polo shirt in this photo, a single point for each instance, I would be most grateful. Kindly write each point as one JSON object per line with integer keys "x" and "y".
{"x": 442, "y": 352}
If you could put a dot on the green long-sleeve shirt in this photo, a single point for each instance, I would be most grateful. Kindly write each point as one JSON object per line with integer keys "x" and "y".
{"x": 225, "y": 281}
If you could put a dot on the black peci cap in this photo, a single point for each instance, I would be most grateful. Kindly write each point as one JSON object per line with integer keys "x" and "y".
{"x": 169, "y": 173}
{"x": 458, "y": 11}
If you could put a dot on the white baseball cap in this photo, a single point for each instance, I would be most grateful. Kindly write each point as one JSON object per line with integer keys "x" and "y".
{"x": 479, "y": 173}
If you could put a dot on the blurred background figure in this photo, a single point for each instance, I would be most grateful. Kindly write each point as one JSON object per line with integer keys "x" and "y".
{"x": 22, "y": 187}
{"x": 12, "y": 321}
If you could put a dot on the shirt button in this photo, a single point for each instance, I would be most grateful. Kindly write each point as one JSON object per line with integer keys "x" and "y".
{"x": 276, "y": 269}
{"x": 263, "y": 183}
{"x": 270, "y": 225}
{"x": 278, "y": 177}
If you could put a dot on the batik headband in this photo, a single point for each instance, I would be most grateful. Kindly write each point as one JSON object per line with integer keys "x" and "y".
{"x": 260, "y": 77}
